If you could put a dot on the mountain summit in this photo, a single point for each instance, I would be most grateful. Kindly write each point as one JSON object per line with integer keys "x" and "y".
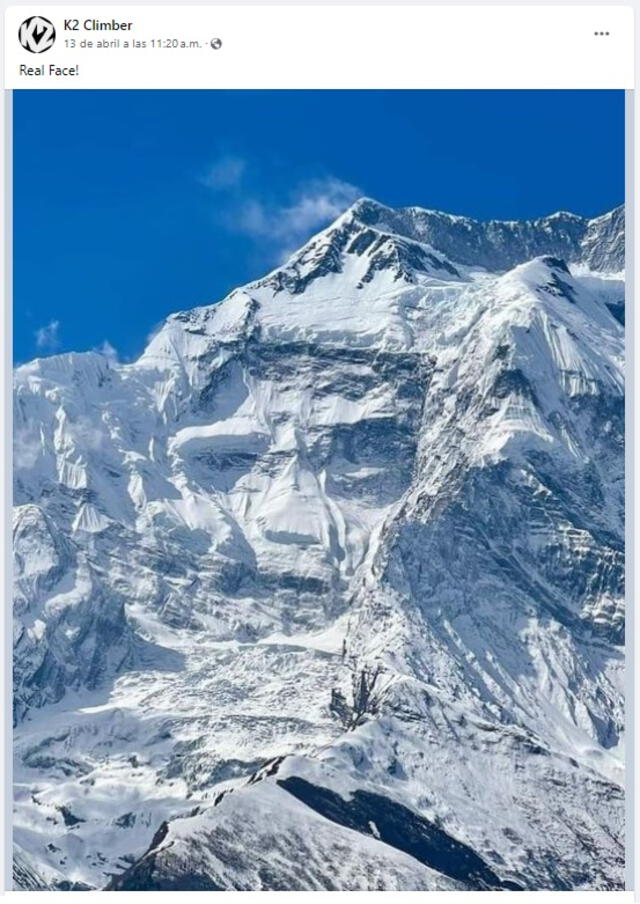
{"x": 325, "y": 591}
{"x": 499, "y": 245}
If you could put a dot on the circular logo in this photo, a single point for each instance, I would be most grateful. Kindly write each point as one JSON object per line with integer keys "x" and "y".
{"x": 37, "y": 34}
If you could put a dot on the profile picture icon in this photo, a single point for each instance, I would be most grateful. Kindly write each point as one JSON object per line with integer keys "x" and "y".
{"x": 37, "y": 34}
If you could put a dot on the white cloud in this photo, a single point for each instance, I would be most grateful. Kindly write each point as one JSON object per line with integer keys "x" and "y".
{"x": 27, "y": 449}
{"x": 311, "y": 206}
{"x": 47, "y": 337}
{"x": 225, "y": 173}
{"x": 245, "y": 206}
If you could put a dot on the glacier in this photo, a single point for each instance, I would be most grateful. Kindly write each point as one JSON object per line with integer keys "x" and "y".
{"x": 326, "y": 589}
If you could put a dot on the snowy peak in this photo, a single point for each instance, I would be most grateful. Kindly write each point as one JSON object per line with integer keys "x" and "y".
{"x": 372, "y": 252}
{"x": 603, "y": 242}
{"x": 332, "y": 549}
{"x": 500, "y": 245}
{"x": 413, "y": 245}
{"x": 361, "y": 252}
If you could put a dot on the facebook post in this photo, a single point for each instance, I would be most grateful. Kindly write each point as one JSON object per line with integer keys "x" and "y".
{"x": 319, "y": 500}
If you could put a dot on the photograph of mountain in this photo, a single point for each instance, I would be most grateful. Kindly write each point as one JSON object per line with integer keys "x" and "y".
{"x": 319, "y": 581}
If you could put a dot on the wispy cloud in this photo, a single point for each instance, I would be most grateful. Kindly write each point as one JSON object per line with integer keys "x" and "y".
{"x": 280, "y": 225}
{"x": 310, "y": 206}
{"x": 225, "y": 173}
{"x": 27, "y": 448}
{"x": 107, "y": 350}
{"x": 47, "y": 337}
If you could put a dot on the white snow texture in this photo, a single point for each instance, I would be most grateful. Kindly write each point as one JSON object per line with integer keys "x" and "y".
{"x": 325, "y": 591}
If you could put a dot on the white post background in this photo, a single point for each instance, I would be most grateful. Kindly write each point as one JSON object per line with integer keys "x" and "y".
{"x": 331, "y": 45}
{"x": 346, "y": 46}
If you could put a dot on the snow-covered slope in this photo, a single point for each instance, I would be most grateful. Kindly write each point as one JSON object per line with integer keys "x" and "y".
{"x": 326, "y": 589}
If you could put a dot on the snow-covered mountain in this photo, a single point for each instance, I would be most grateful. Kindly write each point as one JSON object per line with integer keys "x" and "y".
{"x": 325, "y": 591}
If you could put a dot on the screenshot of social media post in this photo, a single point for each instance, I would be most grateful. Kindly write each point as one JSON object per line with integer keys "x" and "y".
{"x": 317, "y": 503}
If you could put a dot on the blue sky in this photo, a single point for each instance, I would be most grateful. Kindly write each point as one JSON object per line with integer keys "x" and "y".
{"x": 129, "y": 205}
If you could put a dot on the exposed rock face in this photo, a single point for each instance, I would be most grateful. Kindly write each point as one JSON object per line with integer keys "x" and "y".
{"x": 326, "y": 590}
{"x": 501, "y": 245}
